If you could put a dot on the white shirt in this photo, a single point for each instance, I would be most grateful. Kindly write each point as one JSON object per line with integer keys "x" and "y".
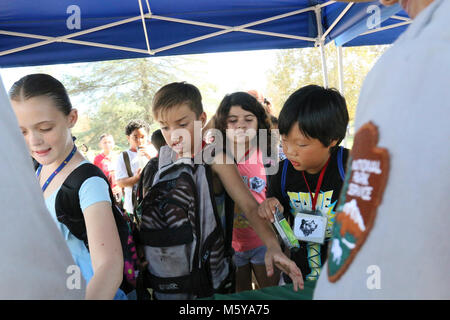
{"x": 407, "y": 96}
{"x": 121, "y": 172}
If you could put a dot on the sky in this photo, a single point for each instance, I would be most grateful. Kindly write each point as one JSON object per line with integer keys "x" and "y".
{"x": 228, "y": 71}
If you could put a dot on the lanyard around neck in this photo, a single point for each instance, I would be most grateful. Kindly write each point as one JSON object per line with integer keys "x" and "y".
{"x": 62, "y": 165}
{"x": 319, "y": 184}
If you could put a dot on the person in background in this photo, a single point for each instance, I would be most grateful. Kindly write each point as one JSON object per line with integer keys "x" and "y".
{"x": 262, "y": 100}
{"x": 105, "y": 161}
{"x": 146, "y": 178}
{"x": 239, "y": 117}
{"x": 281, "y": 155}
{"x": 84, "y": 150}
{"x": 157, "y": 140}
{"x": 130, "y": 162}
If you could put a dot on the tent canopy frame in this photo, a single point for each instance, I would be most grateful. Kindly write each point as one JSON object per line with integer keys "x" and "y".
{"x": 319, "y": 41}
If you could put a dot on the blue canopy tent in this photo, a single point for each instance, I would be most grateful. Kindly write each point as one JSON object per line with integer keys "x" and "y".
{"x": 67, "y": 31}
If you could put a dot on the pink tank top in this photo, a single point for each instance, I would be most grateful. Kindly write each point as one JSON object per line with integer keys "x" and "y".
{"x": 253, "y": 173}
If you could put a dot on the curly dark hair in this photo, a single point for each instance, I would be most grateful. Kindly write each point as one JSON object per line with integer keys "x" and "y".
{"x": 249, "y": 103}
{"x": 136, "y": 124}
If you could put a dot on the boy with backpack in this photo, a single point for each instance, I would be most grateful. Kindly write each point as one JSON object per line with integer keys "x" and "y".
{"x": 306, "y": 189}
{"x": 185, "y": 229}
{"x": 128, "y": 170}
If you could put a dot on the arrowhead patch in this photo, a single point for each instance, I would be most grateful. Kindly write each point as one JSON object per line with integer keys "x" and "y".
{"x": 362, "y": 192}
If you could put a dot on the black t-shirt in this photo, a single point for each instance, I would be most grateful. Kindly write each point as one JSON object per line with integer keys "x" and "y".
{"x": 311, "y": 256}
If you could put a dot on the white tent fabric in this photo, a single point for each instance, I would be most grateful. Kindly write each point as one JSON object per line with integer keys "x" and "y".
{"x": 36, "y": 263}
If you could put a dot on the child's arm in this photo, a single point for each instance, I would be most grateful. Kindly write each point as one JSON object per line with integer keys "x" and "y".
{"x": 121, "y": 174}
{"x": 106, "y": 252}
{"x": 129, "y": 182}
{"x": 103, "y": 239}
{"x": 238, "y": 191}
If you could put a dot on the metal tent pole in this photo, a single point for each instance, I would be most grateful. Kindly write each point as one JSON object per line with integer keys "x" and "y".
{"x": 345, "y": 142}
{"x": 144, "y": 26}
{"x": 340, "y": 69}
{"x": 320, "y": 43}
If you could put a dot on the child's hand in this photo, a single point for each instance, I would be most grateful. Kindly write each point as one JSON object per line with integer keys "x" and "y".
{"x": 137, "y": 176}
{"x": 275, "y": 256}
{"x": 145, "y": 151}
{"x": 116, "y": 190}
{"x": 266, "y": 209}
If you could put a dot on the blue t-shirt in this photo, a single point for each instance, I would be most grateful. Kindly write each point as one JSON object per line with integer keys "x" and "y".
{"x": 92, "y": 191}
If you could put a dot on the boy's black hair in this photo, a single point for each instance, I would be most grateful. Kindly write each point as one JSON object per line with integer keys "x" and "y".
{"x": 274, "y": 120}
{"x": 158, "y": 139}
{"x": 104, "y": 135}
{"x": 136, "y": 124}
{"x": 319, "y": 113}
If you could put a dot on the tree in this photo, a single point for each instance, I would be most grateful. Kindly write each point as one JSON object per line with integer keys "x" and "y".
{"x": 117, "y": 92}
{"x": 296, "y": 68}
{"x": 112, "y": 116}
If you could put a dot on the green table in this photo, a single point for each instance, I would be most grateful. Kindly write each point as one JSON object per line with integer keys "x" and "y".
{"x": 285, "y": 292}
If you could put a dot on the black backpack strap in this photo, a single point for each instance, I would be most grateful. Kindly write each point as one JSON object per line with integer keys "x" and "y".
{"x": 283, "y": 178}
{"x": 340, "y": 163}
{"x": 147, "y": 176}
{"x": 229, "y": 219}
{"x": 229, "y": 213}
{"x": 68, "y": 212}
{"x": 126, "y": 159}
{"x": 67, "y": 203}
{"x": 35, "y": 164}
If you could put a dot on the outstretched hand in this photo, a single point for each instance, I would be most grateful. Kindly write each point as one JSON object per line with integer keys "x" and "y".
{"x": 266, "y": 209}
{"x": 275, "y": 256}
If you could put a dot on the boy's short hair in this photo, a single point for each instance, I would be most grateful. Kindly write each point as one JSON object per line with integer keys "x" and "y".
{"x": 274, "y": 120}
{"x": 104, "y": 135}
{"x": 319, "y": 113}
{"x": 175, "y": 94}
{"x": 158, "y": 139}
{"x": 136, "y": 124}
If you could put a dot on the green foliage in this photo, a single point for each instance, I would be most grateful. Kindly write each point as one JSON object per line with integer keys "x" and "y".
{"x": 296, "y": 68}
{"x": 111, "y": 117}
{"x": 121, "y": 90}
{"x": 117, "y": 92}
